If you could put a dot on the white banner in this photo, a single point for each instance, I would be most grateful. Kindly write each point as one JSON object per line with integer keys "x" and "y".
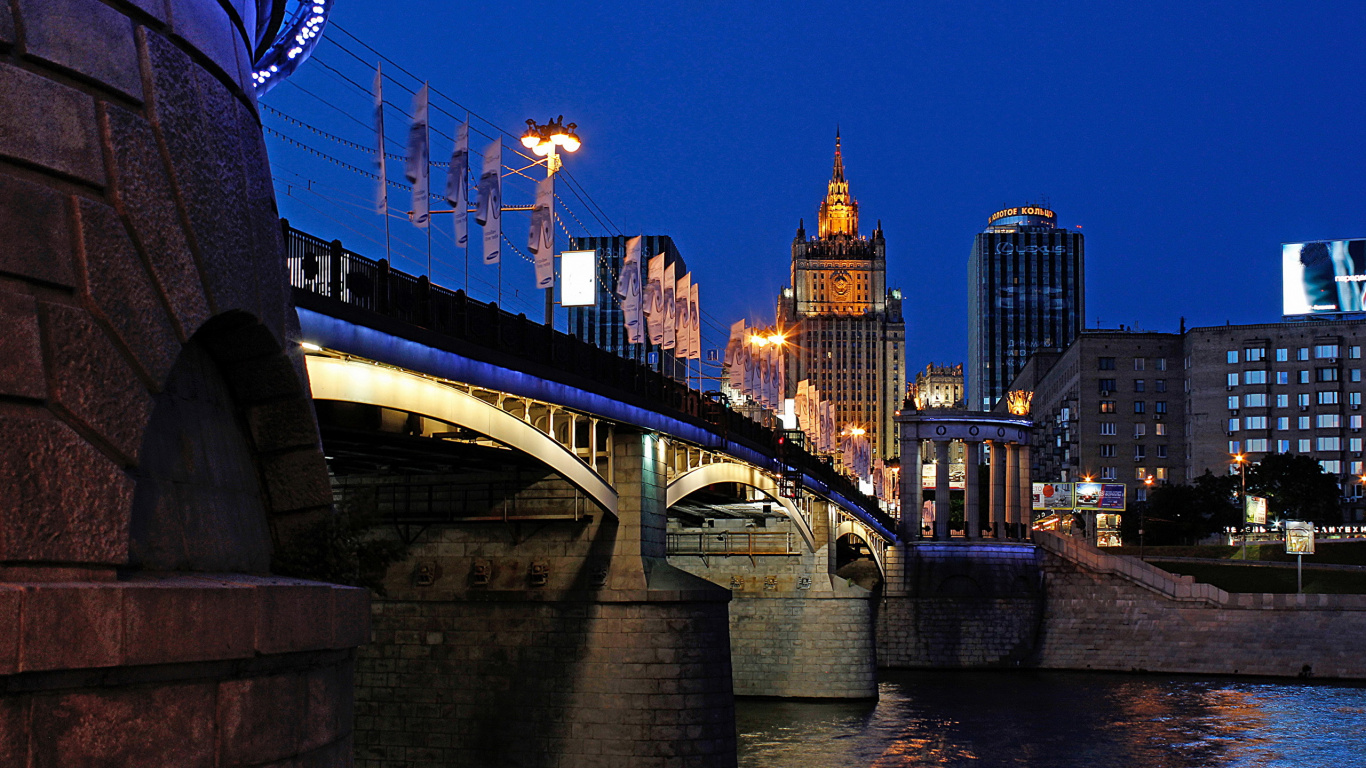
{"x": 489, "y": 213}
{"x": 629, "y": 292}
{"x": 654, "y": 299}
{"x": 670, "y": 308}
{"x": 695, "y": 312}
{"x": 683, "y": 317}
{"x": 382, "y": 194}
{"x": 417, "y": 168}
{"x": 542, "y": 239}
{"x": 735, "y": 358}
{"x": 458, "y": 184}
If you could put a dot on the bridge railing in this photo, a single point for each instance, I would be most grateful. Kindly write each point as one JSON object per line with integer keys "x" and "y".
{"x": 327, "y": 270}
{"x": 749, "y": 543}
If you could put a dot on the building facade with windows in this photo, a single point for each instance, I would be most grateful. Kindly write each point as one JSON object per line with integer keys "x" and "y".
{"x": 844, "y": 325}
{"x": 1110, "y": 407}
{"x": 938, "y": 386}
{"x": 1026, "y": 291}
{"x": 604, "y": 325}
{"x": 1291, "y": 387}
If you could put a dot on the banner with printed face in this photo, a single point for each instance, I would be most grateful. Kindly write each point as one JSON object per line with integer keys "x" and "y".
{"x": 489, "y": 213}
{"x": 417, "y": 168}
{"x": 382, "y": 194}
{"x": 458, "y": 184}
{"x": 670, "y": 341}
{"x": 735, "y": 365}
{"x": 695, "y": 328}
{"x": 541, "y": 241}
{"x": 683, "y": 317}
{"x": 629, "y": 292}
{"x": 654, "y": 300}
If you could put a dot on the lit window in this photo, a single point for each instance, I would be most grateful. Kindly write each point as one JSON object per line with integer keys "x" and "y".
{"x": 1233, "y": 379}
{"x": 1253, "y": 354}
{"x": 1303, "y": 399}
{"x": 1255, "y": 422}
{"x": 1304, "y": 444}
{"x": 1328, "y": 421}
{"x": 1354, "y": 445}
{"x": 1234, "y": 447}
{"x": 1304, "y": 422}
{"x": 1302, "y": 353}
{"x": 1282, "y": 377}
{"x": 1354, "y": 398}
{"x": 1329, "y": 443}
{"x": 1107, "y": 406}
{"x": 1256, "y": 445}
{"x": 1322, "y": 351}
{"x": 1282, "y": 355}
{"x": 1283, "y": 446}
{"x": 1328, "y": 397}
{"x": 1354, "y": 374}
{"x": 1140, "y": 473}
{"x": 1159, "y": 429}
{"x": 1233, "y": 402}
{"x": 1233, "y": 355}
{"x": 1331, "y": 466}
{"x": 1354, "y": 352}
{"x": 1355, "y": 421}
{"x": 1255, "y": 400}
{"x": 1161, "y": 473}
{"x": 1283, "y": 422}
{"x": 1254, "y": 377}
{"x": 1233, "y": 425}
{"x": 1304, "y": 377}
{"x": 1282, "y": 401}
{"x": 1325, "y": 374}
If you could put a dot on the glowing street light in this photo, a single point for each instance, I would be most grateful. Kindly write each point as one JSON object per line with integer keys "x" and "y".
{"x": 542, "y": 141}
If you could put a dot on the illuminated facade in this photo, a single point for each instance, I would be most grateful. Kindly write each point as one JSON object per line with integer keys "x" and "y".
{"x": 1026, "y": 292}
{"x": 848, "y": 335}
{"x": 938, "y": 386}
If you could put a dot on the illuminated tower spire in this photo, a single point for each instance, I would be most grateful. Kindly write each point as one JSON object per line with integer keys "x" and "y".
{"x": 839, "y": 211}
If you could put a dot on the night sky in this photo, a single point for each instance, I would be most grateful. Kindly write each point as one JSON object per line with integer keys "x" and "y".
{"x": 1188, "y": 140}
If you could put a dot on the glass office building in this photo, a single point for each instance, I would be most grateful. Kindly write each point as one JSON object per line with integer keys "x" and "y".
{"x": 1026, "y": 291}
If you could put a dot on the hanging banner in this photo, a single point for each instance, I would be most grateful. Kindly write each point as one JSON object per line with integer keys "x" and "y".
{"x": 381, "y": 194}
{"x": 735, "y": 365}
{"x": 417, "y": 168}
{"x": 458, "y": 184}
{"x": 489, "y": 213}
{"x": 542, "y": 239}
{"x": 629, "y": 293}
{"x": 683, "y": 317}
{"x": 654, "y": 299}
{"x": 670, "y": 308}
{"x": 799, "y": 404}
{"x": 695, "y": 328}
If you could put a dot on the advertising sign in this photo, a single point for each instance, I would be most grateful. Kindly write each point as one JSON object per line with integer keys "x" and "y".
{"x": 1254, "y": 511}
{"x": 1299, "y": 537}
{"x": 578, "y": 278}
{"x": 1108, "y": 497}
{"x": 1052, "y": 496}
{"x": 956, "y": 475}
{"x": 1323, "y": 276}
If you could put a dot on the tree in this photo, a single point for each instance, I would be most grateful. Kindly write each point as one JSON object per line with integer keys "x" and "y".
{"x": 1296, "y": 488}
{"x": 1184, "y": 514}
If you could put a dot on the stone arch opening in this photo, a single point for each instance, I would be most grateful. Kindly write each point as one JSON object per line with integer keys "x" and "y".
{"x": 230, "y": 442}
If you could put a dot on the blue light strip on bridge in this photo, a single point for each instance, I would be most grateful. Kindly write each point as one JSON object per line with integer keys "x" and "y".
{"x": 368, "y": 343}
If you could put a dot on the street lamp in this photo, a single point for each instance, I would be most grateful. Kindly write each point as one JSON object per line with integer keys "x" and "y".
{"x": 542, "y": 141}
{"x": 1241, "y": 460}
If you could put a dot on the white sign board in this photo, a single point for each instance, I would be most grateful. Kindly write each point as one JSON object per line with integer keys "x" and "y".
{"x": 579, "y": 279}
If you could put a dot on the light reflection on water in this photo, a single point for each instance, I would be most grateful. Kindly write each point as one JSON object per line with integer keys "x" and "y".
{"x": 1063, "y": 719}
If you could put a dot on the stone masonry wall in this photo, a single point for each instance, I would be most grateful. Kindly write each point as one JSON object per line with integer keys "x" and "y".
{"x": 959, "y": 605}
{"x": 796, "y": 631}
{"x": 1117, "y": 613}
{"x": 512, "y": 681}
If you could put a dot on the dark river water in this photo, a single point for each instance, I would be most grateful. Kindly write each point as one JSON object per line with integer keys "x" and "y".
{"x": 1056, "y": 719}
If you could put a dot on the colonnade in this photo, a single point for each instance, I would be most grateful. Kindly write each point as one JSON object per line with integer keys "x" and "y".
{"x": 1008, "y": 499}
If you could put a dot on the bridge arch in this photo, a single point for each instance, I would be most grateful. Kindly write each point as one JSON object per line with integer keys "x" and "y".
{"x": 357, "y": 382}
{"x": 860, "y": 532}
{"x": 730, "y": 472}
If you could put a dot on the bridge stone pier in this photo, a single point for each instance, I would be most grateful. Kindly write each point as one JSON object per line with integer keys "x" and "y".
{"x": 156, "y": 436}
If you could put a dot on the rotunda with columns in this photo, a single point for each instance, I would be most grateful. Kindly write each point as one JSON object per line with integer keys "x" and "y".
{"x": 933, "y": 430}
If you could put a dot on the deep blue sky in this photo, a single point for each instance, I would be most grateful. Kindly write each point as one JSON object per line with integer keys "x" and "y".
{"x": 1187, "y": 139}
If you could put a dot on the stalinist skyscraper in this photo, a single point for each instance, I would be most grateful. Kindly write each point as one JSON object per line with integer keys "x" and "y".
{"x": 845, "y": 325}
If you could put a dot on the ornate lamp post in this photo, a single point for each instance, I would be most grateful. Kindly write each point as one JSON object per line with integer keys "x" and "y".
{"x": 543, "y": 141}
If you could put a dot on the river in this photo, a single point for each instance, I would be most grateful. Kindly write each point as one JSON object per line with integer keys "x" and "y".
{"x": 1040, "y": 719}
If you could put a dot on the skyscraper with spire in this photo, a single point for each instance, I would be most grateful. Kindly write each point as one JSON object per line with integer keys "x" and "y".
{"x": 848, "y": 337}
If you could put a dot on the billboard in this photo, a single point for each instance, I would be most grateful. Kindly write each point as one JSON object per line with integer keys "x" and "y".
{"x": 1106, "y": 497}
{"x": 1323, "y": 276}
{"x": 578, "y": 278}
{"x": 1049, "y": 497}
{"x": 1299, "y": 537}
{"x": 929, "y": 476}
{"x": 1255, "y": 511}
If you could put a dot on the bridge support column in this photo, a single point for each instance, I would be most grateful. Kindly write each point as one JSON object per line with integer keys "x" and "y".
{"x": 941, "y": 490}
{"x": 972, "y": 518}
{"x": 998, "y": 488}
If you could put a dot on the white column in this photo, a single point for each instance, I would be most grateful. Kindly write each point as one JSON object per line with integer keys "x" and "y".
{"x": 911, "y": 493}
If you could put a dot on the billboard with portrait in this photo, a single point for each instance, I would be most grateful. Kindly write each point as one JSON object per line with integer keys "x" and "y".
{"x": 1106, "y": 497}
{"x": 1324, "y": 276}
